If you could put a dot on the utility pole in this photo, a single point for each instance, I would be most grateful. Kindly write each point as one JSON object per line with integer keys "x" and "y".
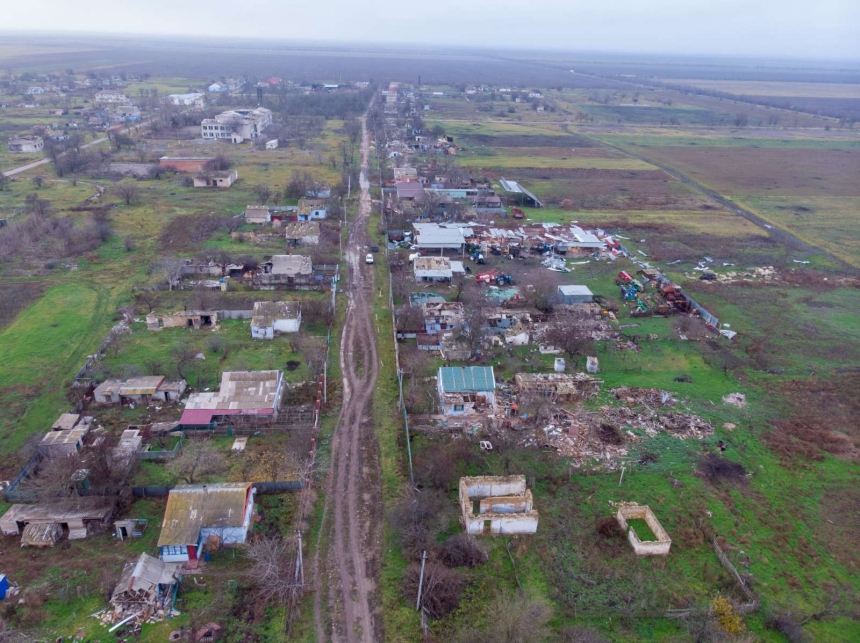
{"x": 421, "y": 580}
{"x": 300, "y": 568}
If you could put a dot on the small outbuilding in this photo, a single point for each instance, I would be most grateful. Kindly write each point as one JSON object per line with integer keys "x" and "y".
{"x": 272, "y": 317}
{"x": 258, "y": 214}
{"x": 571, "y": 295}
{"x": 497, "y": 505}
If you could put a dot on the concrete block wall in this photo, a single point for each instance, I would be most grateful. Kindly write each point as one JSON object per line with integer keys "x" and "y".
{"x": 659, "y": 547}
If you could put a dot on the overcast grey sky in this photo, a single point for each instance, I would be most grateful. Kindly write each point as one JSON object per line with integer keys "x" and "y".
{"x": 771, "y": 28}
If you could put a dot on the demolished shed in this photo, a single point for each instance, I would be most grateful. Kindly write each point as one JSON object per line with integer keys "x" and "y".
{"x": 558, "y": 387}
{"x": 80, "y": 516}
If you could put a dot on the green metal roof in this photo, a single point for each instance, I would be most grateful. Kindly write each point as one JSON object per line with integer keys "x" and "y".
{"x": 458, "y": 379}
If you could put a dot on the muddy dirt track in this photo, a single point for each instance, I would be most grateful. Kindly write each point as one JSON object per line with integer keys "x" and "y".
{"x": 347, "y": 573}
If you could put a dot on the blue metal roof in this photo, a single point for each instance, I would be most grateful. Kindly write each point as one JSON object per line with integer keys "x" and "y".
{"x": 468, "y": 379}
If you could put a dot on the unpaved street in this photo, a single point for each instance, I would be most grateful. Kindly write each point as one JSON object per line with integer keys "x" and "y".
{"x": 349, "y": 569}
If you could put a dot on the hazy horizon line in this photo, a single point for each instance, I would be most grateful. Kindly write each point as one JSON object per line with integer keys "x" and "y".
{"x": 416, "y": 47}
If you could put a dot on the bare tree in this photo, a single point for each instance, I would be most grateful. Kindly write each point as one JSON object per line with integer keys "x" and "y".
{"x": 53, "y": 477}
{"x": 171, "y": 269}
{"x": 38, "y": 180}
{"x": 518, "y": 619}
{"x": 571, "y": 333}
{"x": 440, "y": 590}
{"x": 262, "y": 192}
{"x": 272, "y": 570}
{"x": 127, "y": 191}
{"x": 541, "y": 288}
{"x": 184, "y": 355}
{"x": 198, "y": 460}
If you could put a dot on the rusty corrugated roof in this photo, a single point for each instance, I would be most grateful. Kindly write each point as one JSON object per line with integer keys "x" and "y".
{"x": 193, "y": 507}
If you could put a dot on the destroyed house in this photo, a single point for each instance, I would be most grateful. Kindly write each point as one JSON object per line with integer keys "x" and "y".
{"x": 57, "y": 444}
{"x": 302, "y": 233}
{"x": 287, "y": 270}
{"x": 199, "y": 515}
{"x": 272, "y": 317}
{"x": 311, "y": 209}
{"x": 497, "y": 505}
{"x": 557, "y": 387}
{"x": 80, "y": 516}
{"x": 244, "y": 397}
{"x": 432, "y": 269}
{"x": 465, "y": 390}
{"x": 441, "y": 317}
{"x": 146, "y": 581}
{"x": 257, "y": 214}
{"x": 216, "y": 179}
{"x": 195, "y": 319}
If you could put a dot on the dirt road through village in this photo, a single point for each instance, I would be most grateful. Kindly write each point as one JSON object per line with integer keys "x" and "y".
{"x": 352, "y": 520}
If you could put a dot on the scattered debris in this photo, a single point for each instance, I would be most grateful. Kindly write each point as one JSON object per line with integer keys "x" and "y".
{"x": 647, "y": 396}
{"x": 735, "y": 399}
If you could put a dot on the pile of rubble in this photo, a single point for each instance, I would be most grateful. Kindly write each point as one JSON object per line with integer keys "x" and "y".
{"x": 133, "y": 616}
{"x": 648, "y": 396}
{"x": 604, "y": 436}
{"x": 735, "y": 399}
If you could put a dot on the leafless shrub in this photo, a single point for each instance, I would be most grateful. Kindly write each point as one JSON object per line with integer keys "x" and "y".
{"x": 517, "y": 619}
{"x": 788, "y": 626}
{"x": 127, "y": 191}
{"x": 440, "y": 591}
{"x": 608, "y": 527}
{"x": 417, "y": 519}
{"x": 462, "y": 550}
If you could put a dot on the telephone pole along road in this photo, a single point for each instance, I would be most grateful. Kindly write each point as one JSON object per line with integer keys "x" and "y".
{"x": 352, "y": 514}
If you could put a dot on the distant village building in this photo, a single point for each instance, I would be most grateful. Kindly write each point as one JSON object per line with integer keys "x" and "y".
{"x": 217, "y": 88}
{"x": 466, "y": 390}
{"x": 433, "y": 236}
{"x": 205, "y": 516}
{"x": 258, "y": 214}
{"x": 272, "y": 144}
{"x": 272, "y": 317}
{"x": 442, "y": 317}
{"x": 237, "y": 125}
{"x": 111, "y": 98}
{"x": 287, "y": 270}
{"x": 25, "y": 144}
{"x": 216, "y": 179}
{"x": 191, "y": 99}
{"x": 196, "y": 319}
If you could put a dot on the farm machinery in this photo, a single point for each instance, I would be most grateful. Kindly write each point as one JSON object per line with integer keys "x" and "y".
{"x": 626, "y": 279}
{"x": 494, "y": 277}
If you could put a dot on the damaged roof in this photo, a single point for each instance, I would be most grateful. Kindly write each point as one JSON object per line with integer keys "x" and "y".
{"x": 267, "y": 312}
{"x": 145, "y": 574}
{"x": 467, "y": 379}
{"x": 193, "y": 507}
{"x": 241, "y": 390}
{"x": 291, "y": 265}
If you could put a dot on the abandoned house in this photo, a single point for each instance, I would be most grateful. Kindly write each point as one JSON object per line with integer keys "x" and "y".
{"x": 258, "y": 214}
{"x": 311, "y": 209}
{"x": 25, "y": 145}
{"x": 287, "y": 270}
{"x": 557, "y": 387}
{"x": 196, "y": 319}
{"x": 497, "y": 505}
{"x": 217, "y": 179}
{"x": 203, "y": 517}
{"x": 272, "y": 317}
{"x": 139, "y": 390}
{"x": 59, "y": 444}
{"x": 442, "y": 317}
{"x": 465, "y": 390}
{"x": 302, "y": 233}
{"x": 79, "y": 516}
{"x": 432, "y": 269}
{"x": 249, "y": 397}
{"x": 571, "y": 295}
{"x": 146, "y": 582}
{"x": 661, "y": 543}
